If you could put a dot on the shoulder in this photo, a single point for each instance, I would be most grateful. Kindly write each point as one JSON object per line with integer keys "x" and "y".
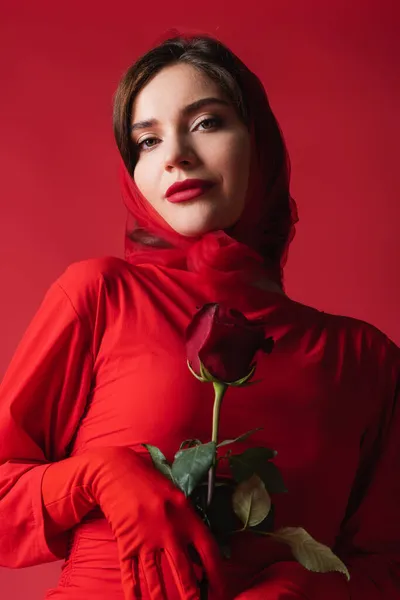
{"x": 88, "y": 273}
{"x": 86, "y": 283}
{"x": 360, "y": 330}
{"x": 375, "y": 350}
{"x": 88, "y": 276}
{"x": 350, "y": 335}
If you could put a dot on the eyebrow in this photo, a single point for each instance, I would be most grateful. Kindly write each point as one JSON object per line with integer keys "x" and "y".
{"x": 186, "y": 111}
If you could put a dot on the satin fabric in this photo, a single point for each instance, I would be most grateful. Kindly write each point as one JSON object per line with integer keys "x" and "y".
{"x": 103, "y": 363}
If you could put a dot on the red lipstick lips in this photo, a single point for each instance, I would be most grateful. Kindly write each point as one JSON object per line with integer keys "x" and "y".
{"x": 181, "y": 191}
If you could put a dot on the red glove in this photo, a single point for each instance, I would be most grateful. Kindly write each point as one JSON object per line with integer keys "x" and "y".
{"x": 146, "y": 512}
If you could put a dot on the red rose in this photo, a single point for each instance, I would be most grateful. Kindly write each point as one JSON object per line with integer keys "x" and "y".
{"x": 225, "y": 342}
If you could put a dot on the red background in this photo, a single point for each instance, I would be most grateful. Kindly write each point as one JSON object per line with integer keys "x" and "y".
{"x": 331, "y": 70}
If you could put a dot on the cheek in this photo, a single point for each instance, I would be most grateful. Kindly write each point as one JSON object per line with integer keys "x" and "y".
{"x": 144, "y": 180}
{"x": 238, "y": 163}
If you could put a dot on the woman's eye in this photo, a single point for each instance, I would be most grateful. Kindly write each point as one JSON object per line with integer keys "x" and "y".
{"x": 210, "y": 122}
{"x": 204, "y": 125}
{"x": 144, "y": 144}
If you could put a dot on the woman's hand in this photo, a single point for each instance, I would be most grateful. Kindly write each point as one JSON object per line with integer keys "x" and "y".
{"x": 150, "y": 516}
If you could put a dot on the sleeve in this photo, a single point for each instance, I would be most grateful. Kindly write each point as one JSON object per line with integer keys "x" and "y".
{"x": 370, "y": 538}
{"x": 42, "y": 399}
{"x": 369, "y": 541}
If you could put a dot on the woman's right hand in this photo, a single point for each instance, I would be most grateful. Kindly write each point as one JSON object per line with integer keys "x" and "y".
{"x": 150, "y": 516}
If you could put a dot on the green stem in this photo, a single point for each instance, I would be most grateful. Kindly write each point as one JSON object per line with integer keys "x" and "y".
{"x": 219, "y": 389}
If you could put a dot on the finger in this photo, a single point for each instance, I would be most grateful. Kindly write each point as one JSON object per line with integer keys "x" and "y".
{"x": 212, "y": 561}
{"x": 150, "y": 564}
{"x": 198, "y": 568}
{"x": 183, "y": 573}
{"x": 130, "y": 578}
{"x": 214, "y": 577}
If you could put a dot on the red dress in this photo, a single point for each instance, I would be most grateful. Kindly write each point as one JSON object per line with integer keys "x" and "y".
{"x": 103, "y": 363}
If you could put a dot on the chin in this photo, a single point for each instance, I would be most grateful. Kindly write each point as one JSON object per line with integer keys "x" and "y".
{"x": 202, "y": 228}
{"x": 193, "y": 232}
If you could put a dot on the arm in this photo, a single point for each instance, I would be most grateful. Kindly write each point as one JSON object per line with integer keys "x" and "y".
{"x": 369, "y": 542}
{"x": 42, "y": 398}
{"x": 370, "y": 537}
{"x": 44, "y": 492}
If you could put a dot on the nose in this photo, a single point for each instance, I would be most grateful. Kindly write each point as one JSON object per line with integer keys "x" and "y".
{"x": 178, "y": 153}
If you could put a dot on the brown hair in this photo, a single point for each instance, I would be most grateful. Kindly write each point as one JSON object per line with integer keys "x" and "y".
{"x": 243, "y": 89}
{"x": 202, "y": 52}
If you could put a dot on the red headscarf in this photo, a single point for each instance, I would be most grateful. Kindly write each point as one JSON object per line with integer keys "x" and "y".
{"x": 258, "y": 243}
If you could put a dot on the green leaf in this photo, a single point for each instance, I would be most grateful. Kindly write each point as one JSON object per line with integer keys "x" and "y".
{"x": 257, "y": 461}
{"x": 251, "y": 502}
{"x": 272, "y": 478}
{"x": 266, "y": 526}
{"x": 241, "y": 438}
{"x": 159, "y": 461}
{"x": 313, "y": 555}
{"x": 190, "y": 466}
{"x": 190, "y": 443}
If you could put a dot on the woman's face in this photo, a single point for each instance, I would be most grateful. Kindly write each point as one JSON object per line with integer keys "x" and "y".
{"x": 177, "y": 141}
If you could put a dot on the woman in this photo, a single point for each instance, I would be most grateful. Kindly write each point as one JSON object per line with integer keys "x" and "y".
{"x": 102, "y": 369}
